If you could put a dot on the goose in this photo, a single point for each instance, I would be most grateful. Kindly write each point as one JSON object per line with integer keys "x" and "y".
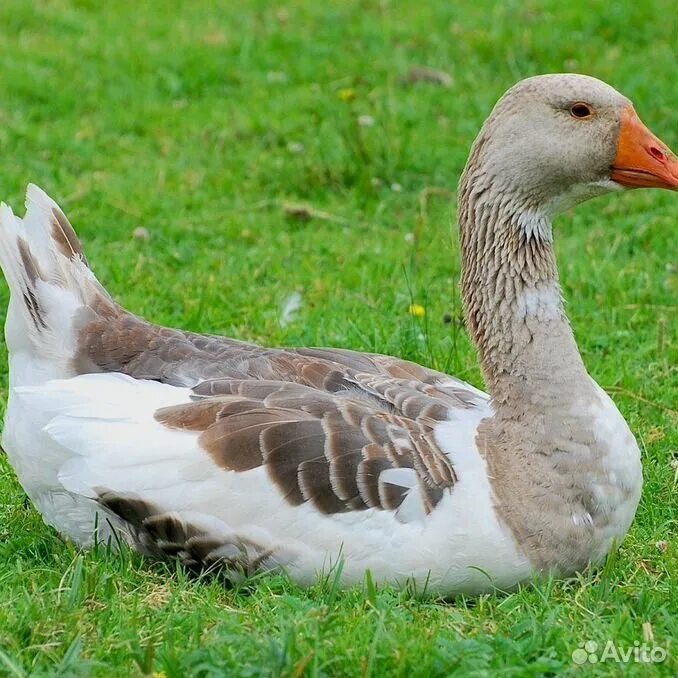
{"x": 230, "y": 456}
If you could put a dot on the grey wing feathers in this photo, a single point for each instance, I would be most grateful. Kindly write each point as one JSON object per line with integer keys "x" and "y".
{"x": 330, "y": 449}
{"x": 345, "y": 431}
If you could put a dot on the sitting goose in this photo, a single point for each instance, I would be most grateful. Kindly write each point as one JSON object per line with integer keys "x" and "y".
{"x": 222, "y": 453}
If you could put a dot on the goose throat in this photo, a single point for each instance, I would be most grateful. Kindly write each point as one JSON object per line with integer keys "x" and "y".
{"x": 511, "y": 291}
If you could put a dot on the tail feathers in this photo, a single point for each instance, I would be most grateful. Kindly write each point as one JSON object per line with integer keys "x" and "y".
{"x": 44, "y": 217}
{"x": 20, "y": 269}
{"x": 47, "y": 274}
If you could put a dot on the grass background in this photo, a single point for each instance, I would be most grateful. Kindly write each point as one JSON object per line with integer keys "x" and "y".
{"x": 208, "y": 124}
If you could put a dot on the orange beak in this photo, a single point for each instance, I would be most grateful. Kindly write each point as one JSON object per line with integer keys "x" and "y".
{"x": 642, "y": 159}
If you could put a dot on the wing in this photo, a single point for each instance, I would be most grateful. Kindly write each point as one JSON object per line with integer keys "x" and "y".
{"x": 112, "y": 340}
{"x": 340, "y": 429}
{"x": 346, "y": 450}
{"x": 334, "y": 430}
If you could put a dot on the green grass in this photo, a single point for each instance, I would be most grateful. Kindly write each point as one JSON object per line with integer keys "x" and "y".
{"x": 202, "y": 121}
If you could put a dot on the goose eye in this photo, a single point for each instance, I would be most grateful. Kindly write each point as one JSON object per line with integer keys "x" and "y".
{"x": 581, "y": 110}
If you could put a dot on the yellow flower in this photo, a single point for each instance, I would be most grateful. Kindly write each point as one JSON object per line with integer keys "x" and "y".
{"x": 347, "y": 94}
{"x": 417, "y": 310}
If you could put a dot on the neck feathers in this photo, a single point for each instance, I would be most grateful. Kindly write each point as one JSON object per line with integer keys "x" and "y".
{"x": 510, "y": 286}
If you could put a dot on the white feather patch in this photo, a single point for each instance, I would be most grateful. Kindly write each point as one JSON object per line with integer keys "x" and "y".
{"x": 543, "y": 302}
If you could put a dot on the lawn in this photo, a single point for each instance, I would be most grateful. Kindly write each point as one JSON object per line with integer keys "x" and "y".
{"x": 278, "y": 153}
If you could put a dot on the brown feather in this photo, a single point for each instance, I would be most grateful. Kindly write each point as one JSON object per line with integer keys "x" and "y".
{"x": 314, "y": 482}
{"x": 367, "y": 479}
{"x": 233, "y": 442}
{"x": 391, "y": 496}
{"x": 64, "y": 236}
{"x": 196, "y": 416}
{"x": 30, "y": 265}
{"x": 168, "y": 535}
{"x": 285, "y": 447}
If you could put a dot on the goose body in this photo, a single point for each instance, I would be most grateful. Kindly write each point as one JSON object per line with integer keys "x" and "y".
{"x": 223, "y": 453}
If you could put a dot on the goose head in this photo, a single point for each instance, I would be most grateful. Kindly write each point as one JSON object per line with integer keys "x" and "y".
{"x": 553, "y": 141}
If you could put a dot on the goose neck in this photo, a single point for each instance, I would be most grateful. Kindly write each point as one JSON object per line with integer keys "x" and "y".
{"x": 511, "y": 293}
